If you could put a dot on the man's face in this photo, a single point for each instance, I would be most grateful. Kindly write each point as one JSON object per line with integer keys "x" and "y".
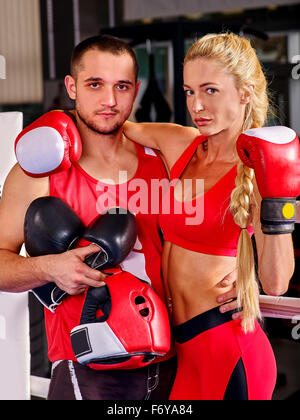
{"x": 104, "y": 90}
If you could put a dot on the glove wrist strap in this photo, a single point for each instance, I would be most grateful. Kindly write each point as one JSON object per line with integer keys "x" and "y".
{"x": 278, "y": 215}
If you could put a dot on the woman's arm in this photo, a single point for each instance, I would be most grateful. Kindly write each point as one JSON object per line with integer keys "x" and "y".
{"x": 157, "y": 135}
{"x": 170, "y": 139}
{"x": 297, "y": 211}
{"x": 276, "y": 261}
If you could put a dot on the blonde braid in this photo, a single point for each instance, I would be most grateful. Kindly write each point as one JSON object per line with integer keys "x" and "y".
{"x": 247, "y": 291}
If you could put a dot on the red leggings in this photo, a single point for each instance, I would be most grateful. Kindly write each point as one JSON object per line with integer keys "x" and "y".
{"x": 218, "y": 361}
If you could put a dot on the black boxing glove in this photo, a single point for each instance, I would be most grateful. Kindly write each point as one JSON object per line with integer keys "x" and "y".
{"x": 115, "y": 232}
{"x": 51, "y": 227}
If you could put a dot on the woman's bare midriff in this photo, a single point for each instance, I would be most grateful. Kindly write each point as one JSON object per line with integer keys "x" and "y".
{"x": 192, "y": 281}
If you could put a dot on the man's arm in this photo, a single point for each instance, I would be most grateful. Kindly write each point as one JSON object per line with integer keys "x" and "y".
{"x": 18, "y": 274}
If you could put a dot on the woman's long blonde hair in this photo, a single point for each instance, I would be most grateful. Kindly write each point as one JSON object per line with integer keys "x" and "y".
{"x": 239, "y": 58}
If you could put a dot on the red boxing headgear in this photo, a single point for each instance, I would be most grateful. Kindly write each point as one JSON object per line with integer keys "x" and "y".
{"x": 131, "y": 331}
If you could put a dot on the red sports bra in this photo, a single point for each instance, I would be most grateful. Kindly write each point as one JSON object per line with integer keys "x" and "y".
{"x": 204, "y": 224}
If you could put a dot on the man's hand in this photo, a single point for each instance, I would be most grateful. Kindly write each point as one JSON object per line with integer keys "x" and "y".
{"x": 226, "y": 299}
{"x": 69, "y": 271}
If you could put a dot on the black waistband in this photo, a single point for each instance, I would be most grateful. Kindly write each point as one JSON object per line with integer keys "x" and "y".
{"x": 201, "y": 323}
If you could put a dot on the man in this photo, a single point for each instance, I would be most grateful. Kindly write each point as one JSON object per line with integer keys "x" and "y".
{"x": 103, "y": 83}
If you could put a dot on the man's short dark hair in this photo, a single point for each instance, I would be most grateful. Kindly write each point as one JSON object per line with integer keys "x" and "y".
{"x": 105, "y": 43}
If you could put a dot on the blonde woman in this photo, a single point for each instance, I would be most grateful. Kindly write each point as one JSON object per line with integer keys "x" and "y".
{"x": 218, "y": 357}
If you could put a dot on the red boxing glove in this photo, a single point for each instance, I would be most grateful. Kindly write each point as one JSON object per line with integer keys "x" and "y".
{"x": 274, "y": 154}
{"x": 48, "y": 145}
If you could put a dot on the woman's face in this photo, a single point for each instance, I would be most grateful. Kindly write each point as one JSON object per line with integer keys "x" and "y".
{"x": 214, "y": 102}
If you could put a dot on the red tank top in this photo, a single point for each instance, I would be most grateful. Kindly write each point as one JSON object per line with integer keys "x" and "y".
{"x": 89, "y": 198}
{"x": 204, "y": 224}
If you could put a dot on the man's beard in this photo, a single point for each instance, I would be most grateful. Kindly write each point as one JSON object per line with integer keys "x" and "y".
{"x": 95, "y": 129}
